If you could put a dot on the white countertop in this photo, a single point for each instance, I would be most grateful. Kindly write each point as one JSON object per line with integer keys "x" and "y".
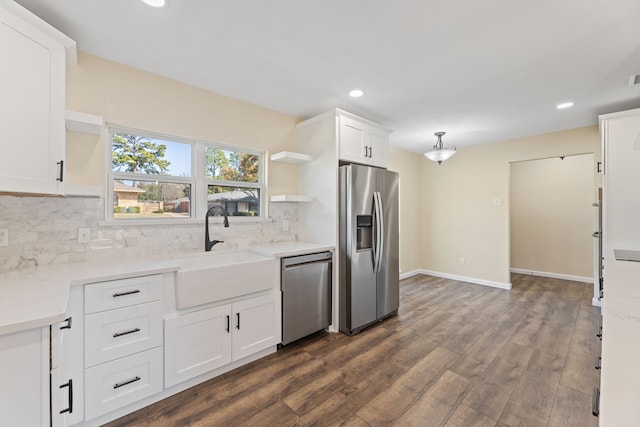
{"x": 37, "y": 297}
{"x": 284, "y": 249}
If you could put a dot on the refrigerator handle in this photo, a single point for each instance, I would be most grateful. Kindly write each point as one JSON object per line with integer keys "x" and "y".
{"x": 379, "y": 234}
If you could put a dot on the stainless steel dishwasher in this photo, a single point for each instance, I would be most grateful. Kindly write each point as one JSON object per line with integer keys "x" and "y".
{"x": 306, "y": 295}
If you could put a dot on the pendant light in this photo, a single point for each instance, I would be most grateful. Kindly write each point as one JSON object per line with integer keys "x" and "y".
{"x": 440, "y": 153}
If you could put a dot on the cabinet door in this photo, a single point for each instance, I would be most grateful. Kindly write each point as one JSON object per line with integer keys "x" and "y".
{"x": 67, "y": 377}
{"x": 196, "y": 343}
{"x": 24, "y": 376}
{"x": 352, "y": 141}
{"x": 378, "y": 147}
{"x": 256, "y": 325}
{"x": 32, "y": 82}
{"x": 622, "y": 181}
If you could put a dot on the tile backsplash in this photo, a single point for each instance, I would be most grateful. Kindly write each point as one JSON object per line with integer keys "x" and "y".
{"x": 44, "y": 230}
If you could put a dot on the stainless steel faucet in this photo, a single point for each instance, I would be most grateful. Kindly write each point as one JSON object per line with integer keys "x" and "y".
{"x": 208, "y": 244}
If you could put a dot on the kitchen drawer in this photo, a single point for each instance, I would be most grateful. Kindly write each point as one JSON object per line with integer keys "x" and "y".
{"x": 118, "y": 333}
{"x": 122, "y": 293}
{"x": 121, "y": 382}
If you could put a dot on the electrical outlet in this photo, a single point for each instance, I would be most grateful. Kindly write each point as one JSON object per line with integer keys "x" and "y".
{"x": 84, "y": 235}
{"x": 497, "y": 201}
{"x": 4, "y": 237}
{"x": 462, "y": 260}
{"x": 285, "y": 225}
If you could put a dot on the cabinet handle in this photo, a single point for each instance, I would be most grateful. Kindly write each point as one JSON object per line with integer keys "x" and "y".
{"x": 69, "y": 384}
{"x": 61, "y": 175}
{"x": 598, "y": 362}
{"x": 370, "y": 152}
{"x": 68, "y": 325}
{"x": 238, "y": 321}
{"x": 366, "y": 151}
{"x": 124, "y": 383}
{"x": 599, "y": 334}
{"x": 132, "y": 331}
{"x": 121, "y": 294}
{"x": 598, "y": 167}
{"x": 596, "y": 402}
{"x": 228, "y": 323}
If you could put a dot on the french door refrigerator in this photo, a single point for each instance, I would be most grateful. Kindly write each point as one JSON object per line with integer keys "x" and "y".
{"x": 368, "y": 246}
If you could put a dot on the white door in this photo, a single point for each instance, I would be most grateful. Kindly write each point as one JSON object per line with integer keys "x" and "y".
{"x": 255, "y": 325}
{"x": 378, "y": 147}
{"x": 67, "y": 379}
{"x": 352, "y": 141}
{"x": 196, "y": 343}
{"x": 32, "y": 134}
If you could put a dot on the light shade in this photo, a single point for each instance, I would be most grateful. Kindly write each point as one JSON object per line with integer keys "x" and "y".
{"x": 439, "y": 153}
{"x": 155, "y": 3}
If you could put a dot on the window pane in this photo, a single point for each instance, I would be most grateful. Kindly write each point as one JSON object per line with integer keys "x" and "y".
{"x": 141, "y": 154}
{"x": 150, "y": 199}
{"x": 229, "y": 165}
{"x": 238, "y": 201}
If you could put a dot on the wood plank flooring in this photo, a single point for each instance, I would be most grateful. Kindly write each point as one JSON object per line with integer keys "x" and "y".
{"x": 457, "y": 355}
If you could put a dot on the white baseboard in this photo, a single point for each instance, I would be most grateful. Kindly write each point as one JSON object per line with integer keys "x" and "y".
{"x": 553, "y": 275}
{"x": 473, "y": 280}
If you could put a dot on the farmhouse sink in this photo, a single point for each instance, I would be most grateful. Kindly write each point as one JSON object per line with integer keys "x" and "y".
{"x": 217, "y": 276}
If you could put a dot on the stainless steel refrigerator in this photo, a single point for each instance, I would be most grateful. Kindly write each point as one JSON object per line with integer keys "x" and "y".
{"x": 368, "y": 247}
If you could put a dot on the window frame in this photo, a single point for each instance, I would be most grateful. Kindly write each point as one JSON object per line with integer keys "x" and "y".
{"x": 198, "y": 180}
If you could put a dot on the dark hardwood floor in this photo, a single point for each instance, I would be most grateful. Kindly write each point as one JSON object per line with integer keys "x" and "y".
{"x": 456, "y": 355}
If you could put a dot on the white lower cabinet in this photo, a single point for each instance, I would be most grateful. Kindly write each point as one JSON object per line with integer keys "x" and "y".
{"x": 24, "y": 378}
{"x": 201, "y": 341}
{"x": 123, "y": 352}
{"x": 257, "y": 325}
{"x": 67, "y": 364}
{"x": 114, "y": 384}
{"x": 118, "y": 333}
{"x": 196, "y": 343}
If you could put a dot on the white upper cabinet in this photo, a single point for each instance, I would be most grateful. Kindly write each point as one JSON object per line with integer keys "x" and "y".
{"x": 32, "y": 107}
{"x": 362, "y": 142}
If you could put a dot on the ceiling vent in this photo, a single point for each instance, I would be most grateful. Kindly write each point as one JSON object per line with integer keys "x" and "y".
{"x": 634, "y": 80}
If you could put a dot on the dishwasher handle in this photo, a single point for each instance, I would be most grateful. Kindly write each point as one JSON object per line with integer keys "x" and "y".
{"x": 296, "y": 261}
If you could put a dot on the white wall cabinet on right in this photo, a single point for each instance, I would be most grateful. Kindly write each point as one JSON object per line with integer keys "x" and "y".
{"x": 201, "y": 341}
{"x": 362, "y": 142}
{"x": 32, "y": 108}
{"x": 620, "y": 371}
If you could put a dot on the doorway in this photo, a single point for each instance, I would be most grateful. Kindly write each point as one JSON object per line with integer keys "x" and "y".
{"x": 551, "y": 217}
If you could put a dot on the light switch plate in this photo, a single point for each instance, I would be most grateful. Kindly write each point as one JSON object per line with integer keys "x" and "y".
{"x": 4, "y": 237}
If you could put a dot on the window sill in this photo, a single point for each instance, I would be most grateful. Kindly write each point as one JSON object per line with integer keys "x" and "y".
{"x": 163, "y": 222}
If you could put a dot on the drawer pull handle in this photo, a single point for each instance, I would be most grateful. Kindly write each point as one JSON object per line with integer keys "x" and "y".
{"x": 69, "y": 409}
{"x": 595, "y": 404}
{"x": 124, "y": 383}
{"x": 132, "y": 331}
{"x": 238, "y": 318}
{"x": 228, "y": 323}
{"x": 121, "y": 294}
{"x": 68, "y": 324}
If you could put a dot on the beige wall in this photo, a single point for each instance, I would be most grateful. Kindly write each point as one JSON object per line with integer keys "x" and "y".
{"x": 457, "y": 206}
{"x": 551, "y": 215}
{"x": 408, "y": 166}
{"x": 133, "y": 98}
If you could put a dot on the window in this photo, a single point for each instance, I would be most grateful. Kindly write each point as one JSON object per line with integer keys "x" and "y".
{"x": 158, "y": 177}
{"x": 233, "y": 181}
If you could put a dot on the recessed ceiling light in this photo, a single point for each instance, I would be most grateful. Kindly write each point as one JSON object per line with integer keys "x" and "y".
{"x": 356, "y": 93}
{"x": 564, "y": 105}
{"x": 155, "y": 3}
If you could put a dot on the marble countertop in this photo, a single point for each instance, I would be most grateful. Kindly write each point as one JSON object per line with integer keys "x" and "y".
{"x": 284, "y": 249}
{"x": 37, "y": 297}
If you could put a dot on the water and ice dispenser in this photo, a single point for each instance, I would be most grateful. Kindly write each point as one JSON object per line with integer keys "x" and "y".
{"x": 364, "y": 224}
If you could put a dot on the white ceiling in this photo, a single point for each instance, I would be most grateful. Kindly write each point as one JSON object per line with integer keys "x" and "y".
{"x": 482, "y": 71}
